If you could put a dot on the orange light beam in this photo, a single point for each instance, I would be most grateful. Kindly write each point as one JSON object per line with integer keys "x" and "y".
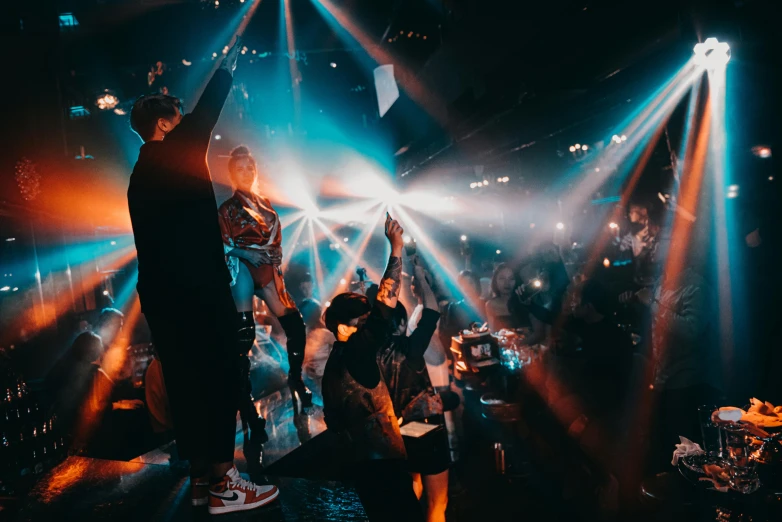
{"x": 294, "y": 67}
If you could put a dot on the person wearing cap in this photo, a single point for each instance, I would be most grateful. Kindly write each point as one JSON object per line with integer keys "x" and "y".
{"x": 356, "y": 402}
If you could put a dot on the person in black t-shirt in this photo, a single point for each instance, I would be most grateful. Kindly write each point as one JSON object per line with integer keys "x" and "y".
{"x": 184, "y": 284}
{"x": 356, "y": 402}
{"x": 404, "y": 371}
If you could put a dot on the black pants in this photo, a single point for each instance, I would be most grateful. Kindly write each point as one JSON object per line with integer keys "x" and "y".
{"x": 385, "y": 488}
{"x": 194, "y": 331}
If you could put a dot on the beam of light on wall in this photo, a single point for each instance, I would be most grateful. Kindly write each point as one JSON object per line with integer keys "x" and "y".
{"x": 55, "y": 258}
{"x": 317, "y": 266}
{"x": 435, "y": 256}
{"x": 290, "y": 242}
{"x": 35, "y": 319}
{"x": 725, "y": 225}
{"x": 674, "y": 263}
{"x": 124, "y": 297}
{"x": 199, "y": 75}
{"x": 289, "y": 219}
{"x": 290, "y": 186}
{"x": 354, "y": 256}
{"x": 292, "y": 63}
{"x": 646, "y": 122}
{"x": 354, "y": 212}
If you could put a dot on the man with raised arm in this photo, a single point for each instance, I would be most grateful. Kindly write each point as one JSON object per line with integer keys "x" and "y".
{"x": 184, "y": 287}
{"x": 356, "y": 402}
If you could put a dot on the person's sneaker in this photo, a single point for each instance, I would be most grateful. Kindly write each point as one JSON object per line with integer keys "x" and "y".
{"x": 199, "y": 491}
{"x": 233, "y": 493}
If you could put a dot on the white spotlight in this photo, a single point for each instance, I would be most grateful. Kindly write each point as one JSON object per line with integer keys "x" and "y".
{"x": 711, "y": 53}
{"x": 613, "y": 225}
{"x": 761, "y": 151}
{"x": 572, "y": 148}
{"x": 498, "y": 252}
{"x": 578, "y": 146}
{"x": 560, "y": 226}
{"x": 584, "y": 147}
{"x": 463, "y": 238}
{"x": 218, "y": 137}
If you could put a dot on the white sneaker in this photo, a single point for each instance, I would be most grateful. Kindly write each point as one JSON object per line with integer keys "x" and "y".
{"x": 233, "y": 493}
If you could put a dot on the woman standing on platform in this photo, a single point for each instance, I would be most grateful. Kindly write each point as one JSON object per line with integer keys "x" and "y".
{"x": 252, "y": 235}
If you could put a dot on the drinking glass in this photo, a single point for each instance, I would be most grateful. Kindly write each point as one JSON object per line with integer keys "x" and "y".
{"x": 742, "y": 469}
{"x": 710, "y": 432}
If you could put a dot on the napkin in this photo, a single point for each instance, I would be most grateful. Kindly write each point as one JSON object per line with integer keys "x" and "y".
{"x": 685, "y": 449}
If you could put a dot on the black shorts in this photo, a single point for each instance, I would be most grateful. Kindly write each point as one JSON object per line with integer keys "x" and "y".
{"x": 430, "y": 454}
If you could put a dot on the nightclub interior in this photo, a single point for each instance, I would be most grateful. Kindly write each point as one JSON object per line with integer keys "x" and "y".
{"x": 390, "y": 260}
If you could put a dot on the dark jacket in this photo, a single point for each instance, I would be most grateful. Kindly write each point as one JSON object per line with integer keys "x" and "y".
{"x": 403, "y": 368}
{"x": 356, "y": 403}
{"x": 172, "y": 202}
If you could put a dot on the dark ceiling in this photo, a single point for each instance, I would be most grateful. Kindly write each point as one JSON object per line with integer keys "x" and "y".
{"x": 512, "y": 76}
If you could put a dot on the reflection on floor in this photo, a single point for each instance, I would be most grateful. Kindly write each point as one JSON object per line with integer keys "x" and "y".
{"x": 286, "y": 427}
{"x": 92, "y": 489}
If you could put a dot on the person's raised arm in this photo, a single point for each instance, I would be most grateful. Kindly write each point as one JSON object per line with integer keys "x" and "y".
{"x": 208, "y": 108}
{"x": 388, "y": 291}
{"x": 417, "y": 343}
{"x": 361, "y": 348}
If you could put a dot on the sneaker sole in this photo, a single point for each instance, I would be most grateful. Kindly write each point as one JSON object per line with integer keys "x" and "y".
{"x": 243, "y": 507}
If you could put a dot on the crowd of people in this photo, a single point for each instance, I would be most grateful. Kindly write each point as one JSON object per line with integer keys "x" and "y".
{"x": 384, "y": 374}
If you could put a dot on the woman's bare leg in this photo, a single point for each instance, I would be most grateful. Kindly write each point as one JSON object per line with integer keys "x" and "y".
{"x": 436, "y": 488}
{"x": 418, "y": 486}
{"x": 244, "y": 289}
